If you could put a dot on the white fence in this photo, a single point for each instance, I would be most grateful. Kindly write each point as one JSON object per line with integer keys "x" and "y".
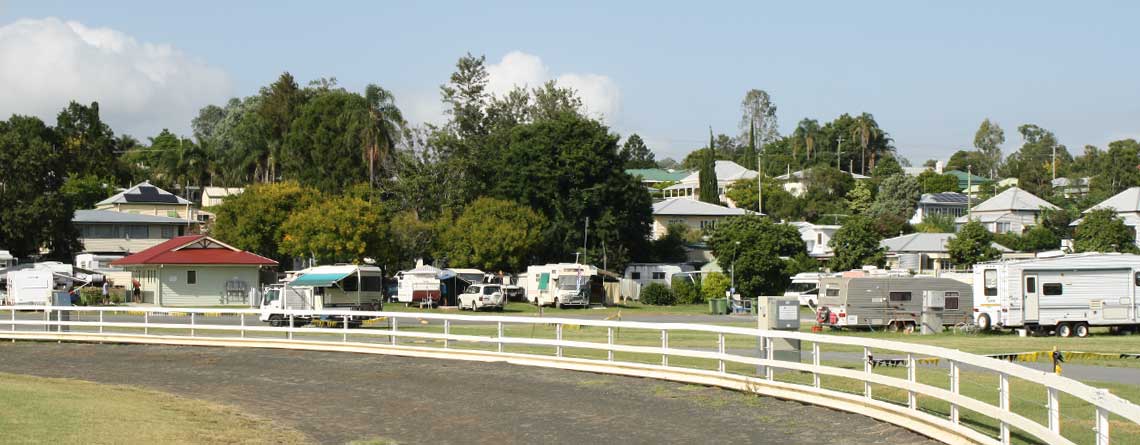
{"x": 914, "y": 386}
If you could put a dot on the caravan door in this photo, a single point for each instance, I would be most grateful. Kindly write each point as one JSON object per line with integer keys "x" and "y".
{"x": 1030, "y": 303}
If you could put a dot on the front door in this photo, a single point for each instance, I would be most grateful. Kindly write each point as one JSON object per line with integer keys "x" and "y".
{"x": 1030, "y": 302}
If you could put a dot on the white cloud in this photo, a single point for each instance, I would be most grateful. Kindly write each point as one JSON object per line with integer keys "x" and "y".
{"x": 600, "y": 94}
{"x": 141, "y": 87}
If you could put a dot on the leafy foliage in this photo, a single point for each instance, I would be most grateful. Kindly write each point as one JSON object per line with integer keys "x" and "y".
{"x": 936, "y": 224}
{"x": 636, "y": 154}
{"x": 709, "y": 187}
{"x": 714, "y": 285}
{"x": 685, "y": 290}
{"x": 343, "y": 229}
{"x": 1102, "y": 231}
{"x": 657, "y": 294}
{"x": 254, "y": 219}
{"x": 972, "y": 245}
{"x": 856, "y": 244}
{"x": 988, "y": 140}
{"x": 494, "y": 234}
{"x": 931, "y": 182}
{"x": 33, "y": 166}
{"x": 898, "y": 195}
{"x": 757, "y": 245}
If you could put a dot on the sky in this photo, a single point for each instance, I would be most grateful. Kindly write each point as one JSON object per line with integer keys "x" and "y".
{"x": 929, "y": 72}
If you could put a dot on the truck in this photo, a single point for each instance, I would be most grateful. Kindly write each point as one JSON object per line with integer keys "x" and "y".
{"x": 343, "y": 288}
{"x": 560, "y": 285}
{"x": 891, "y": 302}
{"x": 1064, "y": 294}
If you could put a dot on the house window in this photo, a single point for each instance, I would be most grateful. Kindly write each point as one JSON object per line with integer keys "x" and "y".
{"x": 172, "y": 214}
{"x": 1002, "y": 227}
{"x": 819, "y": 238}
{"x": 658, "y": 275}
{"x": 167, "y": 232}
{"x": 1137, "y": 278}
{"x": 990, "y": 282}
{"x": 135, "y": 232}
{"x": 708, "y": 224}
{"x": 951, "y": 300}
{"x": 191, "y": 277}
{"x": 635, "y": 275}
{"x": 1052, "y": 288}
{"x": 900, "y": 296}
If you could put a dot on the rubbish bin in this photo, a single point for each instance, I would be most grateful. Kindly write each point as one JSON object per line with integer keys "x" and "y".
{"x": 718, "y": 306}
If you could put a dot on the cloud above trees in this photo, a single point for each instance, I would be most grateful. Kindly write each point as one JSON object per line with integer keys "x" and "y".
{"x": 141, "y": 87}
{"x": 599, "y": 93}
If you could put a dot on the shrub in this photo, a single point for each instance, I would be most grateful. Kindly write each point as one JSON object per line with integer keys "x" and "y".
{"x": 657, "y": 294}
{"x": 686, "y": 291}
{"x": 714, "y": 285}
{"x": 90, "y": 296}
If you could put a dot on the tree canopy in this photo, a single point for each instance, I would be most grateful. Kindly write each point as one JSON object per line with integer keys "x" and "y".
{"x": 856, "y": 244}
{"x": 756, "y": 246}
{"x": 1102, "y": 231}
{"x": 494, "y": 234}
{"x": 973, "y": 244}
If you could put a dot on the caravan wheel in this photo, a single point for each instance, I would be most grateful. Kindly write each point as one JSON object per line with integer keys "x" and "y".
{"x": 984, "y": 323}
{"x": 276, "y": 321}
{"x": 1064, "y": 330}
{"x": 1081, "y": 330}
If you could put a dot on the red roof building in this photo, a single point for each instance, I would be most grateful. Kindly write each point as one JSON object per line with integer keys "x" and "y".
{"x": 195, "y": 270}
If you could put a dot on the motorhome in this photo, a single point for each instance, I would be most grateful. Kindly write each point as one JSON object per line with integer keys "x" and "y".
{"x": 419, "y": 285}
{"x": 323, "y": 288}
{"x": 1064, "y": 294}
{"x": 564, "y": 284}
{"x": 889, "y": 302}
{"x": 805, "y": 287}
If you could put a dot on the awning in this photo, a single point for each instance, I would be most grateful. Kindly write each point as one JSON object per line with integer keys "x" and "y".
{"x": 319, "y": 279}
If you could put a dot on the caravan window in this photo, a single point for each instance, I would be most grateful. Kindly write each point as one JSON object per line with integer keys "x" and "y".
{"x": 1052, "y": 288}
{"x": 951, "y": 300}
{"x": 1138, "y": 278}
{"x": 635, "y": 275}
{"x": 832, "y": 292}
{"x": 990, "y": 284}
{"x": 658, "y": 275}
{"x": 900, "y": 296}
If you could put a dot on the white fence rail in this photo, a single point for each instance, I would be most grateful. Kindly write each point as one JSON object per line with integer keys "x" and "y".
{"x": 952, "y": 410}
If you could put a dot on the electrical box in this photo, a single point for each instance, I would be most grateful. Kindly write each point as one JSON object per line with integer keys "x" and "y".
{"x": 933, "y": 304}
{"x": 778, "y": 313}
{"x": 933, "y": 300}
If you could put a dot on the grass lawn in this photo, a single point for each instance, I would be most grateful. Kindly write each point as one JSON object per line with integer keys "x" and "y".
{"x": 515, "y": 308}
{"x": 62, "y": 411}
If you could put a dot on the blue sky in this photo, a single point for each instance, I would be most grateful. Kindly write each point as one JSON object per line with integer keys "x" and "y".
{"x": 928, "y": 71}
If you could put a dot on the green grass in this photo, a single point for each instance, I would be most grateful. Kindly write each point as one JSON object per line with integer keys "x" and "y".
{"x": 527, "y": 309}
{"x": 43, "y": 410}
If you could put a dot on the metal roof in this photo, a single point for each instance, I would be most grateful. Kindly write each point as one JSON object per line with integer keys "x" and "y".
{"x": 658, "y": 174}
{"x": 924, "y": 242}
{"x": 800, "y": 174}
{"x": 193, "y": 249}
{"x": 692, "y": 207}
{"x": 1014, "y": 198}
{"x": 144, "y": 193}
{"x": 113, "y": 217}
{"x": 1123, "y": 202}
{"x": 725, "y": 171}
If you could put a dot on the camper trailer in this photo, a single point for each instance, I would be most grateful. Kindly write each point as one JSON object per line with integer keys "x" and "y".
{"x": 30, "y": 286}
{"x": 321, "y": 288}
{"x": 805, "y": 287}
{"x": 565, "y": 284}
{"x": 1065, "y": 294}
{"x": 646, "y": 273}
{"x": 889, "y": 302}
{"x": 418, "y": 285}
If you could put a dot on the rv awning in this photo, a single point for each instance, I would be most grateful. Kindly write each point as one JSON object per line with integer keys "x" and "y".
{"x": 319, "y": 279}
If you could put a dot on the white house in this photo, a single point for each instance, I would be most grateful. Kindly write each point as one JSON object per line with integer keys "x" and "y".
{"x": 817, "y": 237}
{"x": 697, "y": 215}
{"x": 1013, "y": 210}
{"x": 123, "y": 233}
{"x": 796, "y": 182}
{"x": 6, "y": 259}
{"x": 212, "y": 196}
{"x": 923, "y": 253}
{"x": 727, "y": 172}
{"x": 1126, "y": 204}
{"x": 195, "y": 270}
{"x": 949, "y": 204}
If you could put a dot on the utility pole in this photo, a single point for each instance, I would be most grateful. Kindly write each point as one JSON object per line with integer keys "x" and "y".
{"x": 1054, "y": 161}
{"x": 969, "y": 193}
{"x": 760, "y": 182}
{"x": 839, "y": 154}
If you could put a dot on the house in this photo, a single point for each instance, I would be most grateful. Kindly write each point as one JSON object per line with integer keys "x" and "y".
{"x": 111, "y": 232}
{"x": 661, "y": 273}
{"x": 196, "y": 270}
{"x": 1013, "y": 210}
{"x": 923, "y": 253}
{"x": 146, "y": 199}
{"x": 653, "y": 176}
{"x": 697, "y": 215}
{"x": 796, "y": 182}
{"x": 967, "y": 180}
{"x": 948, "y": 204}
{"x": 976, "y": 189}
{"x": 817, "y": 238}
{"x": 1069, "y": 188}
{"x": 1126, "y": 204}
{"x": 727, "y": 172}
{"x": 6, "y": 259}
{"x": 212, "y": 196}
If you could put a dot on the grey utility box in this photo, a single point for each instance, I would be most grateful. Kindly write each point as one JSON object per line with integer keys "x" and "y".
{"x": 933, "y": 305}
{"x": 780, "y": 314}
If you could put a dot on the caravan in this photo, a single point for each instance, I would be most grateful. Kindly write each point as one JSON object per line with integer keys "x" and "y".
{"x": 1063, "y": 294}
{"x": 891, "y": 302}
{"x": 419, "y": 285}
{"x": 564, "y": 284}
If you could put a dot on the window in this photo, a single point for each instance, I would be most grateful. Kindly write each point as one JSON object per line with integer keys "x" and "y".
{"x": 172, "y": 214}
{"x": 135, "y": 232}
{"x": 372, "y": 284}
{"x": 1052, "y": 288}
{"x": 832, "y": 292}
{"x": 1030, "y": 285}
{"x": 1138, "y": 278}
{"x": 990, "y": 282}
{"x": 658, "y": 275}
{"x": 167, "y": 232}
{"x": 900, "y": 296}
{"x": 191, "y": 277}
{"x": 951, "y": 300}
{"x": 708, "y": 224}
{"x": 1002, "y": 227}
{"x": 635, "y": 275}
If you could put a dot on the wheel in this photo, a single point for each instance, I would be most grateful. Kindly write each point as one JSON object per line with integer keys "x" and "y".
{"x": 984, "y": 323}
{"x": 1064, "y": 330}
{"x": 894, "y": 326}
{"x": 1081, "y": 330}
{"x": 557, "y": 304}
{"x": 908, "y": 327}
{"x": 276, "y": 321}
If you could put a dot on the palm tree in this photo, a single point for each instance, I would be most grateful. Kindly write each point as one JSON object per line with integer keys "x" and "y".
{"x": 385, "y": 125}
{"x": 807, "y": 130}
{"x": 865, "y": 130}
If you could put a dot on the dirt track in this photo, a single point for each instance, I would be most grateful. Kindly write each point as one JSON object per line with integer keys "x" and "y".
{"x": 339, "y": 397}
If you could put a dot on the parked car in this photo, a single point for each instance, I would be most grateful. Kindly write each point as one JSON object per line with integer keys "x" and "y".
{"x": 482, "y": 296}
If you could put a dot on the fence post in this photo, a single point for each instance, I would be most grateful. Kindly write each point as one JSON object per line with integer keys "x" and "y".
{"x": 100, "y": 322}
{"x": 289, "y": 329}
{"x": 720, "y": 350}
{"x": 192, "y": 324}
{"x": 815, "y": 362}
{"x": 146, "y": 323}
{"x": 242, "y": 324}
{"x": 912, "y": 375}
{"x": 1102, "y": 437}
{"x": 344, "y": 321}
{"x": 664, "y": 348}
{"x": 499, "y": 337}
{"x": 869, "y": 369}
{"x": 769, "y": 372}
{"x": 446, "y": 334}
{"x": 1003, "y": 401}
{"x": 558, "y": 337}
{"x": 610, "y": 343}
{"x": 1054, "y": 406}
{"x": 954, "y": 389}
{"x": 395, "y": 326}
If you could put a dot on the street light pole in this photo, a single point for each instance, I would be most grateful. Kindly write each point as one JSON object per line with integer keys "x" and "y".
{"x": 732, "y": 267}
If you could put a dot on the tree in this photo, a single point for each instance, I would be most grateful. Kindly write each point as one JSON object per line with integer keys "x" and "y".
{"x": 749, "y": 158}
{"x": 668, "y": 164}
{"x": 778, "y": 203}
{"x": 973, "y": 244}
{"x": 494, "y": 234}
{"x": 1038, "y": 239}
{"x": 281, "y": 104}
{"x": 714, "y": 285}
{"x": 253, "y": 220}
{"x": 323, "y": 145}
{"x": 988, "y": 140}
{"x": 856, "y": 244}
{"x": 1117, "y": 169}
{"x": 671, "y": 247}
{"x": 33, "y": 212}
{"x": 709, "y": 187}
{"x": 1034, "y": 163}
{"x": 383, "y": 131}
{"x": 758, "y": 114}
{"x": 936, "y": 224}
{"x": 637, "y": 155}
{"x": 931, "y": 182}
{"x": 756, "y": 246}
{"x": 1102, "y": 231}
{"x": 898, "y": 195}
{"x": 967, "y": 161}
{"x": 861, "y": 197}
{"x": 342, "y": 229}
{"x": 88, "y": 143}
{"x": 83, "y": 192}
{"x": 807, "y": 131}
{"x": 889, "y": 166}
{"x": 865, "y": 130}
{"x": 414, "y": 238}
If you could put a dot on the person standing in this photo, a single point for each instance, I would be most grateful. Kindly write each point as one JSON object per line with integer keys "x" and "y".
{"x": 106, "y": 290}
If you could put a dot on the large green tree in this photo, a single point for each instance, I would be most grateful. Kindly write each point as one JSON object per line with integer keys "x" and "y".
{"x": 856, "y": 244}
{"x": 494, "y": 235}
{"x": 253, "y": 219}
{"x": 87, "y": 141}
{"x": 1117, "y": 169}
{"x": 33, "y": 212}
{"x": 1102, "y": 231}
{"x": 758, "y": 116}
{"x": 322, "y": 148}
{"x": 755, "y": 247}
{"x": 988, "y": 140}
{"x": 1034, "y": 163}
{"x": 383, "y": 131}
{"x": 971, "y": 245}
{"x": 342, "y": 229}
{"x": 930, "y": 181}
{"x": 636, "y": 154}
{"x": 897, "y": 196}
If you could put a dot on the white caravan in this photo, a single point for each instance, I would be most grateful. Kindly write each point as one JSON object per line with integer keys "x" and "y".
{"x": 30, "y": 286}
{"x": 805, "y": 287}
{"x": 564, "y": 284}
{"x": 1064, "y": 294}
{"x": 418, "y": 285}
{"x": 662, "y": 273}
{"x": 321, "y": 288}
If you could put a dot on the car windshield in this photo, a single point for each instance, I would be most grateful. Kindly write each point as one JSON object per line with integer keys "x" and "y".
{"x": 490, "y": 290}
{"x": 272, "y": 295}
{"x": 801, "y": 287}
{"x": 568, "y": 282}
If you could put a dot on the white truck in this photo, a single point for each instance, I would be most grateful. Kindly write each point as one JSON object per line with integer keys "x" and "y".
{"x": 1065, "y": 295}
{"x": 343, "y": 288}
{"x": 560, "y": 285}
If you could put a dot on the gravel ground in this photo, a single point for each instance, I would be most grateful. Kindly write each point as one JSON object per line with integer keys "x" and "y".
{"x": 339, "y": 397}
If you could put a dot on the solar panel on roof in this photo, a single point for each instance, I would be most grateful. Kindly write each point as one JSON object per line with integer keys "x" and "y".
{"x": 950, "y": 197}
{"x": 150, "y": 194}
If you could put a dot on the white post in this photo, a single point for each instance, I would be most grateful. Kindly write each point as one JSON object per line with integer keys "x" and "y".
{"x": 146, "y": 323}
{"x": 610, "y": 343}
{"x": 192, "y": 324}
{"x": 290, "y": 327}
{"x": 815, "y": 362}
{"x": 100, "y": 322}
{"x": 558, "y": 337}
{"x": 771, "y": 355}
{"x": 1003, "y": 403}
{"x": 954, "y": 389}
{"x": 395, "y": 326}
{"x": 446, "y": 334}
{"x": 911, "y": 374}
{"x": 344, "y": 321}
{"x": 720, "y": 349}
{"x": 1054, "y": 406}
{"x": 664, "y": 348}
{"x": 1102, "y": 431}
{"x": 499, "y": 338}
{"x": 867, "y": 368}
{"x": 242, "y": 325}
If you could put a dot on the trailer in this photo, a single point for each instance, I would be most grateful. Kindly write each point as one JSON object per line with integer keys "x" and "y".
{"x": 419, "y": 285}
{"x": 321, "y": 288}
{"x": 890, "y": 302}
{"x": 29, "y": 287}
{"x": 564, "y": 284}
{"x": 1064, "y": 295}
{"x": 661, "y": 273}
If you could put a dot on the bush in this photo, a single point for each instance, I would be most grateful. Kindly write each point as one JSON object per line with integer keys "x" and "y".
{"x": 686, "y": 291}
{"x": 90, "y": 296}
{"x": 657, "y": 294}
{"x": 714, "y": 286}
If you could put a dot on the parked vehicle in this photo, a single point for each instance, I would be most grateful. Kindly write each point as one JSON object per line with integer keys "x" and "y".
{"x": 483, "y": 296}
{"x": 566, "y": 284}
{"x": 30, "y": 286}
{"x": 419, "y": 285}
{"x": 889, "y": 302}
{"x": 805, "y": 287}
{"x": 1065, "y": 294}
{"x": 662, "y": 273}
{"x": 348, "y": 287}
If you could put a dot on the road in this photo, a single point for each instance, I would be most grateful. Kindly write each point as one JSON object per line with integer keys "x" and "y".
{"x": 339, "y": 397}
